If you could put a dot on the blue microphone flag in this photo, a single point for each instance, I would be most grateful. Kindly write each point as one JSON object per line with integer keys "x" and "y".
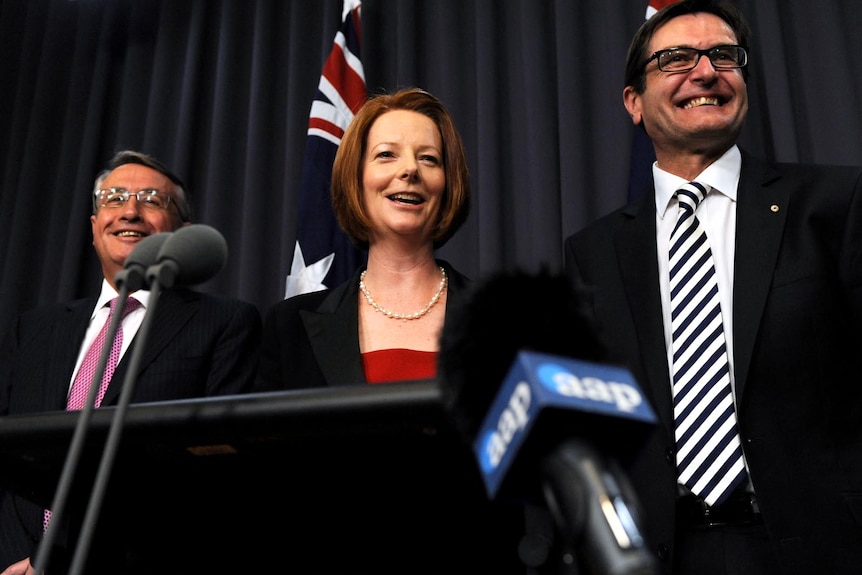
{"x": 538, "y": 383}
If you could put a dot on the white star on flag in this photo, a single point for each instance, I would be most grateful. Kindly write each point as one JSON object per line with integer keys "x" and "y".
{"x": 305, "y": 279}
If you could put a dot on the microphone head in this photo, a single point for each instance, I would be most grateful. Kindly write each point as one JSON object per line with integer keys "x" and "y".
{"x": 504, "y": 314}
{"x": 192, "y": 255}
{"x": 143, "y": 255}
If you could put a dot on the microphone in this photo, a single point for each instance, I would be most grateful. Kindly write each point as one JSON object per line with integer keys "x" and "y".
{"x": 192, "y": 255}
{"x": 134, "y": 273}
{"x": 546, "y": 427}
{"x": 130, "y": 279}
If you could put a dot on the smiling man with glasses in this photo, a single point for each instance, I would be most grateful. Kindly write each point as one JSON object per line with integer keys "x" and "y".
{"x": 732, "y": 290}
{"x": 199, "y": 345}
{"x": 160, "y": 205}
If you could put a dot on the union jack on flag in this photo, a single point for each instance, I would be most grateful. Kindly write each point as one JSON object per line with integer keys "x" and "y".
{"x": 331, "y": 257}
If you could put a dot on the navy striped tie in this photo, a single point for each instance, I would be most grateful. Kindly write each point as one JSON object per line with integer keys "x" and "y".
{"x": 709, "y": 452}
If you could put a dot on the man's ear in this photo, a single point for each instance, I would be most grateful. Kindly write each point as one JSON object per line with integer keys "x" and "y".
{"x": 632, "y": 102}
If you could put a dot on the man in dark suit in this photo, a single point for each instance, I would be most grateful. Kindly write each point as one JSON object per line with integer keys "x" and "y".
{"x": 787, "y": 245}
{"x": 199, "y": 344}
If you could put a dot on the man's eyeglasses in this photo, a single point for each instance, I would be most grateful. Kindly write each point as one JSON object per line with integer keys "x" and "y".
{"x": 113, "y": 198}
{"x": 685, "y": 59}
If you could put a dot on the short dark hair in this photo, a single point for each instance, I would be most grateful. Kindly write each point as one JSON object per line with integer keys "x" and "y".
{"x": 124, "y": 157}
{"x": 637, "y": 54}
{"x": 347, "y": 168}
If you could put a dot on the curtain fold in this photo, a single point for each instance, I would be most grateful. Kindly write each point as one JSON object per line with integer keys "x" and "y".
{"x": 220, "y": 90}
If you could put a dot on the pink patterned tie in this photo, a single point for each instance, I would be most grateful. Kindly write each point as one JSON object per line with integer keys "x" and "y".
{"x": 81, "y": 385}
{"x": 84, "y": 378}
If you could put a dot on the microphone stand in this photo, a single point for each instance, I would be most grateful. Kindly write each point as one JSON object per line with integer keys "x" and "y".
{"x": 136, "y": 275}
{"x": 104, "y": 472}
{"x": 76, "y": 447}
{"x": 596, "y": 508}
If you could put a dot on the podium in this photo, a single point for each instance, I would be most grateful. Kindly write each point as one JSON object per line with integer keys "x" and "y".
{"x": 360, "y": 479}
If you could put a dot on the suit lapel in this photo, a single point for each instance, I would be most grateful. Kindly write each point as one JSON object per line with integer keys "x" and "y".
{"x": 173, "y": 310}
{"x": 635, "y": 242}
{"x": 763, "y": 203}
{"x": 63, "y": 356}
{"x": 332, "y": 331}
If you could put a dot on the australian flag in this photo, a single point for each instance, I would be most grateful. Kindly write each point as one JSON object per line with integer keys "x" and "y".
{"x": 323, "y": 255}
{"x": 643, "y": 155}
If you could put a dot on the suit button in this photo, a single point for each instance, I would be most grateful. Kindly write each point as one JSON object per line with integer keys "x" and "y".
{"x": 670, "y": 456}
{"x": 662, "y": 551}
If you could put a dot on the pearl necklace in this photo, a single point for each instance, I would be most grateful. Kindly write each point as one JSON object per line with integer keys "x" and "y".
{"x": 443, "y": 282}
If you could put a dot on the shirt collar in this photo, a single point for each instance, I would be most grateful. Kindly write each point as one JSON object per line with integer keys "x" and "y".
{"x": 722, "y": 175}
{"x": 108, "y": 293}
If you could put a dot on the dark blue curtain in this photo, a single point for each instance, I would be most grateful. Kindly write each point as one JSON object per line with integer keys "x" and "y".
{"x": 221, "y": 89}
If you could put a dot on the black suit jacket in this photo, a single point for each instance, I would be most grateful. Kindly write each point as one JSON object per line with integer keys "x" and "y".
{"x": 199, "y": 345}
{"x": 312, "y": 340}
{"x": 797, "y": 337}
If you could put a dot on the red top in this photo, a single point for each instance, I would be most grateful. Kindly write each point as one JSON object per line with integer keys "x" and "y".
{"x": 386, "y": 365}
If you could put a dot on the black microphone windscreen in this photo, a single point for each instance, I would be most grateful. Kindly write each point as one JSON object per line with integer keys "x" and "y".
{"x": 504, "y": 314}
{"x": 197, "y": 252}
{"x": 143, "y": 255}
{"x": 146, "y": 252}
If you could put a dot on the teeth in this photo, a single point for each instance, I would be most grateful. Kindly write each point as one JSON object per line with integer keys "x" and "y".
{"x": 129, "y": 234}
{"x": 702, "y": 101}
{"x": 414, "y": 198}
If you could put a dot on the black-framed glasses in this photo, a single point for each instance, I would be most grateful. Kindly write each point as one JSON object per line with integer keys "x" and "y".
{"x": 685, "y": 59}
{"x": 113, "y": 198}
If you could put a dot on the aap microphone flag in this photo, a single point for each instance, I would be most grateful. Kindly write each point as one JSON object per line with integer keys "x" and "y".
{"x": 538, "y": 382}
